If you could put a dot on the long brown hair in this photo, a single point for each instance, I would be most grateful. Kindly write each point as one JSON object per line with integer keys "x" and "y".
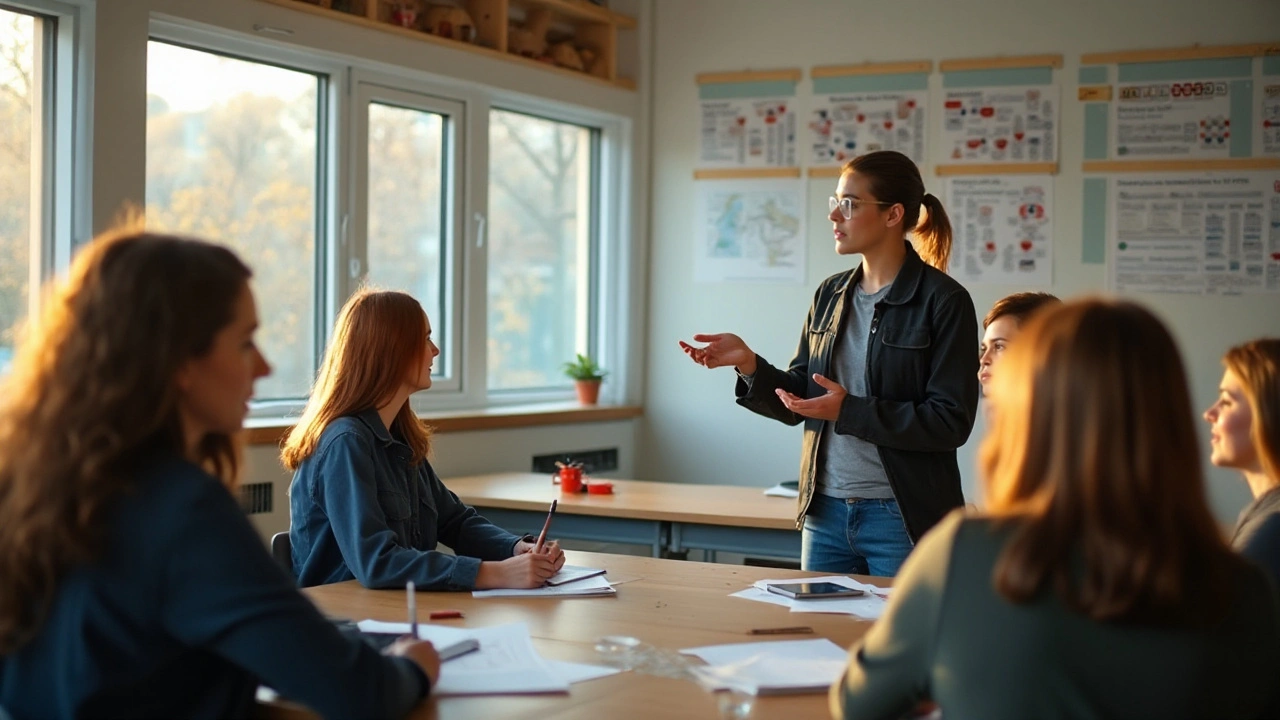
{"x": 1257, "y": 364}
{"x": 895, "y": 179}
{"x": 378, "y": 339}
{"x": 92, "y": 396}
{"x": 1093, "y": 455}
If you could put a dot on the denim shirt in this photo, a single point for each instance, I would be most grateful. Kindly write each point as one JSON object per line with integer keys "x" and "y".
{"x": 359, "y": 508}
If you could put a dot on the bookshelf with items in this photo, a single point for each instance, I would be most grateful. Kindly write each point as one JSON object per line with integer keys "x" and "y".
{"x": 574, "y": 37}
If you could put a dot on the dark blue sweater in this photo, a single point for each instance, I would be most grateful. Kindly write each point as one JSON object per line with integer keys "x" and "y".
{"x": 183, "y": 614}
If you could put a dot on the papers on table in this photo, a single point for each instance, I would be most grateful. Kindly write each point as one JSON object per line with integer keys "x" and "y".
{"x": 573, "y": 573}
{"x": 867, "y": 607}
{"x": 573, "y": 673}
{"x": 770, "y": 668}
{"x": 588, "y": 587}
{"x": 784, "y": 489}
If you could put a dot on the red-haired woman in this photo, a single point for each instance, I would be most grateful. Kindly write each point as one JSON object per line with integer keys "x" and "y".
{"x": 1097, "y": 585}
{"x": 364, "y": 501}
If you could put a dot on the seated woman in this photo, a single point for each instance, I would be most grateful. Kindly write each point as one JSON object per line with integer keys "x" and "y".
{"x": 133, "y": 584}
{"x": 364, "y": 502}
{"x": 1002, "y": 324}
{"x": 1245, "y": 435}
{"x": 1097, "y": 585}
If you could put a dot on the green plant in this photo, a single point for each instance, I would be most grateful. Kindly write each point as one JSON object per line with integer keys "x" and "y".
{"x": 584, "y": 368}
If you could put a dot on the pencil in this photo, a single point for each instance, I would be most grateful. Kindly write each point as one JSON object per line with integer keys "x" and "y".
{"x": 413, "y": 609}
{"x": 798, "y": 630}
{"x": 542, "y": 536}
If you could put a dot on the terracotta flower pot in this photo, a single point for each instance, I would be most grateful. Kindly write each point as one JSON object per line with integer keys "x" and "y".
{"x": 588, "y": 391}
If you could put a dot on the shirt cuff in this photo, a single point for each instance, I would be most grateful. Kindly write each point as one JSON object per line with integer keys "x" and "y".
{"x": 465, "y": 570}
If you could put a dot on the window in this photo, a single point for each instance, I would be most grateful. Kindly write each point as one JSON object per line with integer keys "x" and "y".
{"x": 542, "y": 197}
{"x": 19, "y": 99}
{"x": 233, "y": 155}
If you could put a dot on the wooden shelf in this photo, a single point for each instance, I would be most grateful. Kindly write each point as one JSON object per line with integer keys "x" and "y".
{"x": 594, "y": 26}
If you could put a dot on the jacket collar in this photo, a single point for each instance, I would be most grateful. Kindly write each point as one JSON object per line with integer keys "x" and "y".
{"x": 373, "y": 421}
{"x": 904, "y": 285}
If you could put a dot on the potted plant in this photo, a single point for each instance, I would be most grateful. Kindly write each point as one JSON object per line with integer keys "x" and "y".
{"x": 587, "y": 376}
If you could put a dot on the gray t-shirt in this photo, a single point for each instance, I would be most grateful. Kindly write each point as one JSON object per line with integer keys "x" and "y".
{"x": 848, "y": 466}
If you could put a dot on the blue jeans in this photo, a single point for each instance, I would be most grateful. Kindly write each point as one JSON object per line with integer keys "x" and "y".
{"x": 860, "y": 537}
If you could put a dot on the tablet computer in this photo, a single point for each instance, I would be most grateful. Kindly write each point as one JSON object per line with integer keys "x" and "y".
{"x": 814, "y": 590}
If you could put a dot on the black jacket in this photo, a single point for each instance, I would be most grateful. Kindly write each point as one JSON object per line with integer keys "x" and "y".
{"x": 922, "y": 381}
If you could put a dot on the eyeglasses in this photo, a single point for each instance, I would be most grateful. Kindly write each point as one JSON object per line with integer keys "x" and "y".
{"x": 847, "y": 205}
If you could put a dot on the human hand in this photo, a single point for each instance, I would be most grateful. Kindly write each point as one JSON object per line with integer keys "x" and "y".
{"x": 823, "y": 407}
{"x": 421, "y": 652}
{"x": 721, "y": 349}
{"x": 523, "y": 571}
{"x": 550, "y": 548}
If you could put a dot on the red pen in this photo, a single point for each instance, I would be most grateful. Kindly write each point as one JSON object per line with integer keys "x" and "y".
{"x": 445, "y": 614}
{"x": 542, "y": 536}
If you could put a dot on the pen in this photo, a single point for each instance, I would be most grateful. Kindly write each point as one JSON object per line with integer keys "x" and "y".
{"x": 542, "y": 536}
{"x": 413, "y": 609}
{"x": 444, "y": 614}
{"x": 802, "y": 629}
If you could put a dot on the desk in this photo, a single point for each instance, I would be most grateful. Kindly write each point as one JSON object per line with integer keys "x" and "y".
{"x": 668, "y": 517}
{"x": 667, "y": 603}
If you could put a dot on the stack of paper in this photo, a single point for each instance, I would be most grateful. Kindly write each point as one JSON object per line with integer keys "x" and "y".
{"x": 506, "y": 662}
{"x": 784, "y": 489}
{"x": 867, "y": 607}
{"x": 770, "y": 668}
{"x": 590, "y": 586}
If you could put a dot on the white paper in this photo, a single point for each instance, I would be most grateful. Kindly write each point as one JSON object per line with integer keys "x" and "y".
{"x": 591, "y": 587}
{"x": 747, "y": 133}
{"x": 1003, "y": 229}
{"x": 1014, "y": 124}
{"x": 764, "y": 668}
{"x": 1269, "y": 118}
{"x": 578, "y": 672}
{"x": 1194, "y": 233}
{"x": 1171, "y": 120}
{"x": 749, "y": 231}
{"x": 850, "y": 124}
{"x": 573, "y": 573}
{"x": 780, "y": 491}
{"x": 867, "y": 607}
{"x": 506, "y": 663}
{"x": 437, "y": 634}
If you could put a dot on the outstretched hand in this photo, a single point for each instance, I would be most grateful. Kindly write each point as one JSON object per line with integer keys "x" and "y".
{"x": 823, "y": 407}
{"x": 721, "y": 349}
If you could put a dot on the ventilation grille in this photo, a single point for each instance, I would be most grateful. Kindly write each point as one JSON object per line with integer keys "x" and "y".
{"x": 255, "y": 498}
{"x": 593, "y": 461}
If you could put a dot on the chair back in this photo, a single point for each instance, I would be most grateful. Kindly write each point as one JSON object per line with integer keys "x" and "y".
{"x": 282, "y": 551}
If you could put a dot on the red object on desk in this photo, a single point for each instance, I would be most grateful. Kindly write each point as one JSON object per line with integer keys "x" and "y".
{"x": 570, "y": 479}
{"x": 445, "y": 614}
{"x": 600, "y": 488}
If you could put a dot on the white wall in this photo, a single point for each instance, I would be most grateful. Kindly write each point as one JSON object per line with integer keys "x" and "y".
{"x": 118, "y": 176}
{"x": 692, "y": 430}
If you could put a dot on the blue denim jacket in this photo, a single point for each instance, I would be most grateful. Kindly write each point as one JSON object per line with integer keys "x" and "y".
{"x": 359, "y": 509}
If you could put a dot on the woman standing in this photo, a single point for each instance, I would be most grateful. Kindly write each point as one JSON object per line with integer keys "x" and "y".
{"x": 1245, "y": 435}
{"x": 884, "y": 377}
{"x": 133, "y": 584}
{"x": 365, "y": 502}
{"x": 1097, "y": 585}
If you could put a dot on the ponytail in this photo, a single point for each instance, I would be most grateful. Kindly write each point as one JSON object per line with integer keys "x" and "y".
{"x": 933, "y": 234}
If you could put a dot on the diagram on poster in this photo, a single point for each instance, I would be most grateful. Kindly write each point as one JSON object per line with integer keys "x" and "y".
{"x": 1164, "y": 120}
{"x": 1270, "y": 118}
{"x": 1213, "y": 234}
{"x": 749, "y": 231}
{"x": 1004, "y": 229}
{"x": 1001, "y": 124}
{"x": 747, "y": 133}
{"x": 843, "y": 126}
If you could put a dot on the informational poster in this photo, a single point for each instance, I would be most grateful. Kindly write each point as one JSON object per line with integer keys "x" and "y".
{"x": 1204, "y": 233}
{"x": 846, "y": 125}
{"x": 749, "y": 231}
{"x": 1015, "y": 124}
{"x": 747, "y": 133}
{"x": 1003, "y": 229}
{"x": 1270, "y": 117}
{"x": 1172, "y": 120}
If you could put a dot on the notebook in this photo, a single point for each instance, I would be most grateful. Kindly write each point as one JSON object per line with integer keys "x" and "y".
{"x": 573, "y": 573}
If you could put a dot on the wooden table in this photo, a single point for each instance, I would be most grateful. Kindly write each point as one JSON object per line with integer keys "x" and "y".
{"x": 668, "y": 517}
{"x": 666, "y": 603}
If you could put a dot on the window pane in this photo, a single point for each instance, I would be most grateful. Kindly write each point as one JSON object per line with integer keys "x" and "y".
{"x": 19, "y": 91}
{"x": 539, "y": 249}
{"x": 406, "y": 207}
{"x": 231, "y": 156}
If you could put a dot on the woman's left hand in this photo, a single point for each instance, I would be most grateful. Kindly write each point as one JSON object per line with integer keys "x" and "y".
{"x": 823, "y": 407}
{"x": 550, "y": 548}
